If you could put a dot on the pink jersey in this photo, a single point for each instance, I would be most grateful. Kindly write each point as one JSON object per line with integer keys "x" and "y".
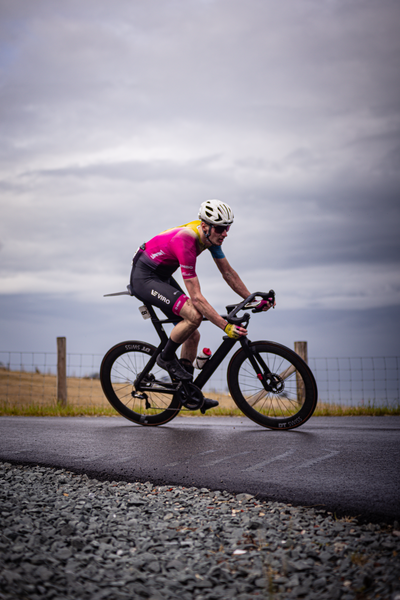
{"x": 176, "y": 247}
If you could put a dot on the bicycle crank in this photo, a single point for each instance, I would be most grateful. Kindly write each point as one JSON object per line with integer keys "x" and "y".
{"x": 190, "y": 396}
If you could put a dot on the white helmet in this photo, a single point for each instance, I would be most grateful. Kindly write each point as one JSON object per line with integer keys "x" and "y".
{"x": 215, "y": 212}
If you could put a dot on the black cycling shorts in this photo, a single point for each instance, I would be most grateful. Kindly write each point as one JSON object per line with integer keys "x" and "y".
{"x": 166, "y": 295}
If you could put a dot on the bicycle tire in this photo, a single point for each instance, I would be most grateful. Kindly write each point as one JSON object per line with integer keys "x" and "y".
{"x": 119, "y": 369}
{"x": 293, "y": 396}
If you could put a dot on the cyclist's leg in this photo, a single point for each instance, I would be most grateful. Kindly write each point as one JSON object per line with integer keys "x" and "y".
{"x": 184, "y": 334}
{"x": 190, "y": 321}
{"x": 170, "y": 298}
{"x": 187, "y": 331}
{"x": 163, "y": 294}
{"x": 190, "y": 317}
{"x": 190, "y": 347}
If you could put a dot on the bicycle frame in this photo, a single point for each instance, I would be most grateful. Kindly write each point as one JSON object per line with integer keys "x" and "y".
{"x": 262, "y": 394}
{"x": 211, "y": 365}
{"x": 205, "y": 374}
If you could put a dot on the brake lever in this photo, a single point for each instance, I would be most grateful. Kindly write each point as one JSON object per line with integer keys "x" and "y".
{"x": 270, "y": 299}
{"x": 231, "y": 318}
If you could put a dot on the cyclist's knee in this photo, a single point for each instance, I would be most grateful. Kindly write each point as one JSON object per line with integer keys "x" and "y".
{"x": 190, "y": 314}
{"x": 195, "y": 320}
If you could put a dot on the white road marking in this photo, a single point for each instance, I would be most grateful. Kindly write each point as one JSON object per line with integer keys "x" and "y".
{"x": 268, "y": 461}
{"x": 183, "y": 462}
{"x": 314, "y": 461}
{"x": 219, "y": 460}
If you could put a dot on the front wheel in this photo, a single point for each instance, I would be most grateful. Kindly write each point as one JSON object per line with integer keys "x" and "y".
{"x": 284, "y": 397}
{"x": 118, "y": 372}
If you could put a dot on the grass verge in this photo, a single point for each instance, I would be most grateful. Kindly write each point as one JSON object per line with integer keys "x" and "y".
{"x": 33, "y": 409}
{"x": 368, "y": 410}
{"x": 34, "y": 394}
{"x": 54, "y": 410}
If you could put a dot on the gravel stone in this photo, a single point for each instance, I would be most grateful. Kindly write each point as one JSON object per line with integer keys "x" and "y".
{"x": 65, "y": 536}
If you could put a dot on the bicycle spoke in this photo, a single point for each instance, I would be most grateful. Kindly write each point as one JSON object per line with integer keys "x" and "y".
{"x": 281, "y": 393}
{"x": 119, "y": 371}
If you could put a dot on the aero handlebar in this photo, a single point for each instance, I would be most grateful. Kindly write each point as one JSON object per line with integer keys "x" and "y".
{"x": 248, "y": 303}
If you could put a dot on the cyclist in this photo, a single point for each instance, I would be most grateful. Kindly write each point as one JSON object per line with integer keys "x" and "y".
{"x": 151, "y": 281}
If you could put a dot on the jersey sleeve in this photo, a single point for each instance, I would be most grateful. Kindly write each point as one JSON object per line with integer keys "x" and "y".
{"x": 217, "y": 252}
{"x": 184, "y": 248}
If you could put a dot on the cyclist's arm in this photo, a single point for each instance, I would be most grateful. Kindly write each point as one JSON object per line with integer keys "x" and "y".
{"x": 231, "y": 277}
{"x": 204, "y": 307}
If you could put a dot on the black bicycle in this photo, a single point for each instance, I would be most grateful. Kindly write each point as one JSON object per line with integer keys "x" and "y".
{"x": 269, "y": 383}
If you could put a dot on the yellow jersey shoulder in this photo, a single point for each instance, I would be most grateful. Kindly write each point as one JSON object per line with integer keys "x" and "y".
{"x": 195, "y": 227}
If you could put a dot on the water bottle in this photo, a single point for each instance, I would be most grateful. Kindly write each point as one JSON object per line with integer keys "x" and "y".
{"x": 202, "y": 358}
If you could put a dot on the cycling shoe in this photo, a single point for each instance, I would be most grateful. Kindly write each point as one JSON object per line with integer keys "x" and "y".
{"x": 174, "y": 368}
{"x": 208, "y": 403}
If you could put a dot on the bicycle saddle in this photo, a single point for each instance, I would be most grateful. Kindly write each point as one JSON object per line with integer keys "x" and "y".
{"x": 127, "y": 293}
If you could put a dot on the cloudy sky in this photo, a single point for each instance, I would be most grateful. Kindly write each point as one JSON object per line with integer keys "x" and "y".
{"x": 119, "y": 117}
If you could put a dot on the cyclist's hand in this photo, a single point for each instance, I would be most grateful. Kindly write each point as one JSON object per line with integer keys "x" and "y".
{"x": 235, "y": 331}
{"x": 265, "y": 305}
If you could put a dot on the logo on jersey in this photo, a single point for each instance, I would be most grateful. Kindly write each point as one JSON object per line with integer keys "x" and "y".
{"x": 157, "y": 254}
{"x": 160, "y": 297}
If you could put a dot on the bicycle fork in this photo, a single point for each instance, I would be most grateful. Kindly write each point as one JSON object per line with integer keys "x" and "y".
{"x": 271, "y": 382}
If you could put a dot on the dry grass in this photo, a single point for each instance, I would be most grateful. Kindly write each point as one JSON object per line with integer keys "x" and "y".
{"x": 370, "y": 410}
{"x": 23, "y": 393}
{"x": 19, "y": 388}
{"x": 35, "y": 394}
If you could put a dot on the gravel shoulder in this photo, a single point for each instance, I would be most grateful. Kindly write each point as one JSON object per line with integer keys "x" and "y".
{"x": 65, "y": 535}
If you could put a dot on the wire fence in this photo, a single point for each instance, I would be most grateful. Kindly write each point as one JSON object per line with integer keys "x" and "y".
{"x": 27, "y": 377}
{"x": 31, "y": 377}
{"x": 358, "y": 381}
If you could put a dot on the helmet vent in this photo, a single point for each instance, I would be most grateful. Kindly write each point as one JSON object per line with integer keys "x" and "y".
{"x": 216, "y": 212}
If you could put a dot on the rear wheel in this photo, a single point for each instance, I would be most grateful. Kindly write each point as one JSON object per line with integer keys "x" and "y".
{"x": 287, "y": 396}
{"x": 120, "y": 368}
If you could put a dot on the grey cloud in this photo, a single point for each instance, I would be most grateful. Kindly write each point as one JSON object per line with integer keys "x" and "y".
{"x": 119, "y": 118}
{"x": 135, "y": 170}
{"x": 119, "y": 61}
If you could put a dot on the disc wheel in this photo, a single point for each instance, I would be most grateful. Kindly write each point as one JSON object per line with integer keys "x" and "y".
{"x": 119, "y": 370}
{"x": 287, "y": 396}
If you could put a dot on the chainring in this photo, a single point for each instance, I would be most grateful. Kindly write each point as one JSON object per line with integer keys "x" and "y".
{"x": 190, "y": 396}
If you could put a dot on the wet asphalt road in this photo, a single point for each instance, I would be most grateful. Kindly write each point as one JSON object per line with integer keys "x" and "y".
{"x": 347, "y": 465}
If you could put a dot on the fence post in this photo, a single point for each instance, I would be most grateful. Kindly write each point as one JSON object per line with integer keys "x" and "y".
{"x": 62, "y": 371}
{"x": 301, "y": 349}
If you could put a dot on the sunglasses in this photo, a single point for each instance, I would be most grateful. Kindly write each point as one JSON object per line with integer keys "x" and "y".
{"x": 221, "y": 228}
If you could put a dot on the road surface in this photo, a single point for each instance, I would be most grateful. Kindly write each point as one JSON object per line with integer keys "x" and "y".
{"x": 347, "y": 465}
